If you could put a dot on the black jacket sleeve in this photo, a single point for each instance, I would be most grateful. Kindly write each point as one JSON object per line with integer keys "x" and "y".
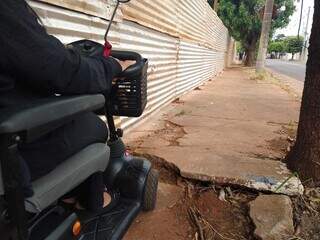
{"x": 42, "y": 62}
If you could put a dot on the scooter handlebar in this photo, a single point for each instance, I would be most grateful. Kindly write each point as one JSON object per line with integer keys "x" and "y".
{"x": 133, "y": 56}
{"x": 91, "y": 48}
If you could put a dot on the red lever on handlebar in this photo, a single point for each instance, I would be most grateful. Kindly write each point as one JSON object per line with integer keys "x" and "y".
{"x": 107, "y": 49}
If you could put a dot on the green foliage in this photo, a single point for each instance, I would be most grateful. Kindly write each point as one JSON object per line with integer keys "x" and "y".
{"x": 240, "y": 48}
{"x": 277, "y": 47}
{"x": 294, "y": 44}
{"x": 243, "y": 18}
{"x": 283, "y": 16}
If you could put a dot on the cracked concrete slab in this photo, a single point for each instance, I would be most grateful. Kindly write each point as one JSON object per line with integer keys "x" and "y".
{"x": 223, "y": 133}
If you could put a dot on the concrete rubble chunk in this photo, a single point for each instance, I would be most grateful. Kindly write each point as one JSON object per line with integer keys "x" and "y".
{"x": 272, "y": 216}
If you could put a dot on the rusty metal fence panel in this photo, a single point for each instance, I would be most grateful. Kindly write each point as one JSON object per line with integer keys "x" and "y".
{"x": 192, "y": 20}
{"x": 70, "y": 25}
{"x": 217, "y": 34}
{"x": 161, "y": 51}
{"x": 160, "y": 15}
{"x": 196, "y": 64}
{"x": 185, "y": 41}
{"x": 98, "y": 8}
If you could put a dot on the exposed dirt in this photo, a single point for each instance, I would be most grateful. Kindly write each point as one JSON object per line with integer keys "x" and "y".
{"x": 171, "y": 133}
{"x": 307, "y": 214}
{"x": 167, "y": 221}
{"x": 309, "y": 227}
{"x": 226, "y": 220}
{"x": 178, "y": 197}
{"x": 282, "y": 143}
{"x": 195, "y": 210}
{"x": 178, "y": 101}
{"x": 306, "y": 207}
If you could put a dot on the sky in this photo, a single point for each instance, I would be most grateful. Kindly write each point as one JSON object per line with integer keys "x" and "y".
{"x": 292, "y": 28}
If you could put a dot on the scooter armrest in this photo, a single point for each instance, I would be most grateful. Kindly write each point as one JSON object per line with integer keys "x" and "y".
{"x": 43, "y": 116}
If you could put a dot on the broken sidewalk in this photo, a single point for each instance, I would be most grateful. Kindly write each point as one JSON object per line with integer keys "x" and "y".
{"x": 226, "y": 131}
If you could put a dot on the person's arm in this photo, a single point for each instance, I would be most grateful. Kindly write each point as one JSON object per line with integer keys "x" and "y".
{"x": 42, "y": 61}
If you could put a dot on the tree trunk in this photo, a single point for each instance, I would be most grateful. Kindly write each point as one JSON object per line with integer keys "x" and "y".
{"x": 292, "y": 58}
{"x": 251, "y": 54}
{"x": 305, "y": 155}
{"x": 216, "y": 5}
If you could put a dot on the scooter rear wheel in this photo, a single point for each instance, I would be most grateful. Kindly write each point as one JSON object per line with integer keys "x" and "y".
{"x": 150, "y": 193}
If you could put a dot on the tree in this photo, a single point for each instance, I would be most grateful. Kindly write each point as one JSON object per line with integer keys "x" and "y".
{"x": 214, "y": 4}
{"x": 294, "y": 45}
{"x": 305, "y": 155}
{"x": 277, "y": 47}
{"x": 243, "y": 19}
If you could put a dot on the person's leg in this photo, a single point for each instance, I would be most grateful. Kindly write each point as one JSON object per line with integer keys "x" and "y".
{"x": 47, "y": 153}
{"x": 94, "y": 188}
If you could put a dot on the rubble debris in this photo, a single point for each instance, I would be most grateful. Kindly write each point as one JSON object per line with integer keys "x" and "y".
{"x": 272, "y": 216}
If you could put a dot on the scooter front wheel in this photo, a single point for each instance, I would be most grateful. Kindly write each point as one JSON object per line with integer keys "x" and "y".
{"x": 151, "y": 189}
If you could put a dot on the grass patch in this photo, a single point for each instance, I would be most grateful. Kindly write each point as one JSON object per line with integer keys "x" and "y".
{"x": 259, "y": 76}
{"x": 267, "y": 77}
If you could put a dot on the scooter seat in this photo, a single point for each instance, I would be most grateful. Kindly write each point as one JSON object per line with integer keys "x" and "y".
{"x": 67, "y": 176}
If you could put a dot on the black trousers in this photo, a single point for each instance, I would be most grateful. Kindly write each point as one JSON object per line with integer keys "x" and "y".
{"x": 47, "y": 153}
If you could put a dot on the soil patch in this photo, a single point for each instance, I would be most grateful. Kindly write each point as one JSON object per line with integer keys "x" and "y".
{"x": 171, "y": 133}
{"x": 307, "y": 214}
{"x": 222, "y": 219}
{"x": 281, "y": 144}
{"x": 218, "y": 220}
{"x": 177, "y": 197}
{"x": 167, "y": 221}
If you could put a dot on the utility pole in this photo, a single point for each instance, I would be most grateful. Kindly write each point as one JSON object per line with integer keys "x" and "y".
{"x": 300, "y": 18}
{"x": 264, "y": 38}
{"x": 305, "y": 46}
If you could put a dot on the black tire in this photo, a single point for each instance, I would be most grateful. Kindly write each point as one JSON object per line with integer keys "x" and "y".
{"x": 151, "y": 190}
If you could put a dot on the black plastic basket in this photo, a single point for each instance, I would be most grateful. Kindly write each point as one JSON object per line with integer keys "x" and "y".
{"x": 129, "y": 94}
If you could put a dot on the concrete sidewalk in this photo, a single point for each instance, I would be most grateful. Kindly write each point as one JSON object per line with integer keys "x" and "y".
{"x": 232, "y": 130}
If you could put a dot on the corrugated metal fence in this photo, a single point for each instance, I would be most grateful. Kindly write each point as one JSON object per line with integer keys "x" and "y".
{"x": 185, "y": 41}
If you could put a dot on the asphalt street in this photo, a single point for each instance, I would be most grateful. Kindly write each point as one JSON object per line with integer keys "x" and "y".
{"x": 290, "y": 69}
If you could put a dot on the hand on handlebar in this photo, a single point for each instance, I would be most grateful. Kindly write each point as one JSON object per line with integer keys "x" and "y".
{"x": 125, "y": 64}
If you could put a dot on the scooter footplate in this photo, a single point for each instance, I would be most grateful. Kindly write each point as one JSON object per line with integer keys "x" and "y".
{"x": 111, "y": 224}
